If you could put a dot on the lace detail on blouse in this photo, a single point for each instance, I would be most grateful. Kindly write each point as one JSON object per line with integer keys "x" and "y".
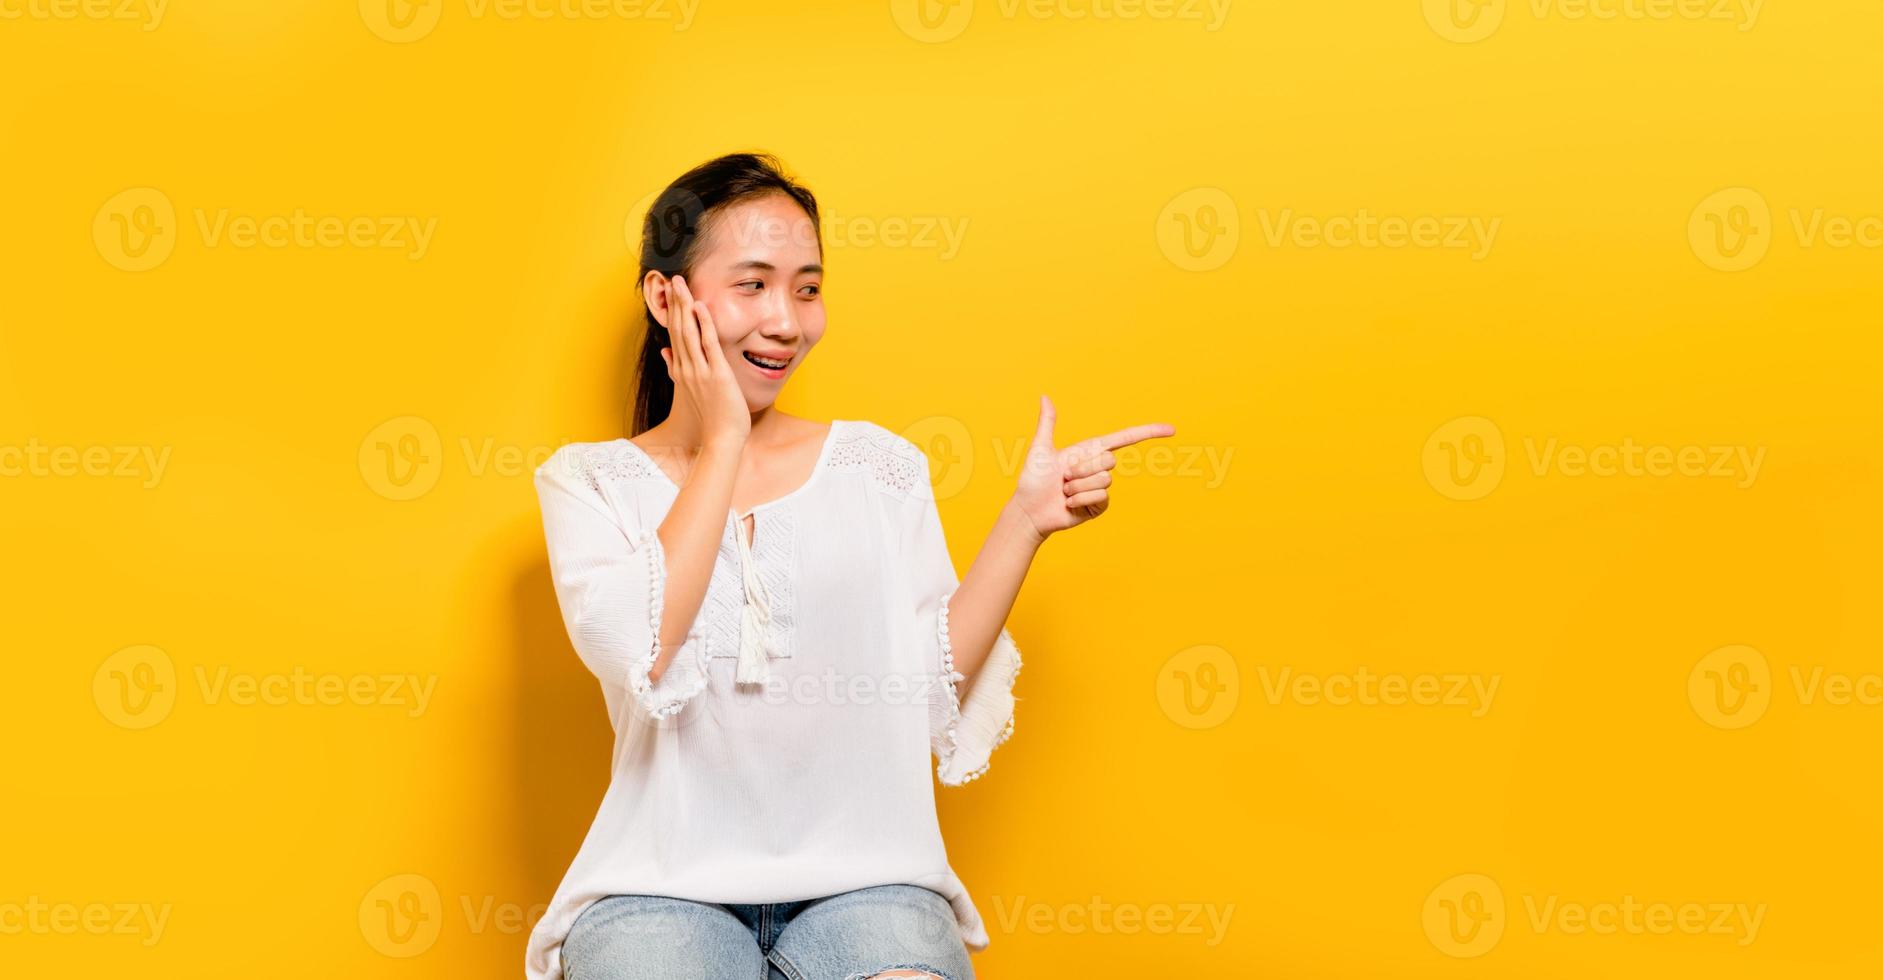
{"x": 893, "y": 463}
{"x": 619, "y": 460}
{"x": 951, "y": 683}
{"x": 639, "y": 667}
{"x": 775, "y": 550}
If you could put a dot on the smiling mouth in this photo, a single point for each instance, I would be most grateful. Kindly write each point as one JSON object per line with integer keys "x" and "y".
{"x": 766, "y": 363}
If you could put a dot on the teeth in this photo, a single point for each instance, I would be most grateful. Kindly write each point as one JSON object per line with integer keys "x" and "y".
{"x": 762, "y": 362}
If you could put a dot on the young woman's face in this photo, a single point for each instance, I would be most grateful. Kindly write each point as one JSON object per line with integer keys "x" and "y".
{"x": 761, "y": 276}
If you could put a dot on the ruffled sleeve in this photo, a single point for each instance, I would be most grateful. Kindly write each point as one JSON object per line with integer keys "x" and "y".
{"x": 609, "y": 575}
{"x": 962, "y": 732}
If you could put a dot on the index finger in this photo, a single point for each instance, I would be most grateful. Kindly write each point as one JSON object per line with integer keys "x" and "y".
{"x": 684, "y": 327}
{"x": 1136, "y": 433}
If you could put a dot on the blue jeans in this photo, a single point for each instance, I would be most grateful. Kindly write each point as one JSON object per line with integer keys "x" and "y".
{"x": 848, "y": 936}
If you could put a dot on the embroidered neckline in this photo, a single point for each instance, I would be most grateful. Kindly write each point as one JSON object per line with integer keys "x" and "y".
{"x": 645, "y": 466}
{"x": 890, "y": 464}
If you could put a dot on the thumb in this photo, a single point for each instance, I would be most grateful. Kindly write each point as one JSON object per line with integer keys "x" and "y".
{"x": 1043, "y": 436}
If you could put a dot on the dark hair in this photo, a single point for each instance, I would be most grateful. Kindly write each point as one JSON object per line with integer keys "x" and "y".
{"x": 671, "y": 237}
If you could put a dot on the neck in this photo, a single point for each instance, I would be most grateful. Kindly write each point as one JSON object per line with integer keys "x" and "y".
{"x": 682, "y": 427}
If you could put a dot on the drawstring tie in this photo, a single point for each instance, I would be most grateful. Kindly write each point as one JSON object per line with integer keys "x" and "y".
{"x": 756, "y": 647}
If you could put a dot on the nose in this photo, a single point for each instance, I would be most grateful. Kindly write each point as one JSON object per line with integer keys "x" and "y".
{"x": 781, "y": 318}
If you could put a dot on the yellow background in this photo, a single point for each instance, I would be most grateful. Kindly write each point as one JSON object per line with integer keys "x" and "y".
{"x": 1071, "y": 153}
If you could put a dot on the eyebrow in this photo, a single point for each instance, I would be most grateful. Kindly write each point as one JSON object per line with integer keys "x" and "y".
{"x": 814, "y": 267}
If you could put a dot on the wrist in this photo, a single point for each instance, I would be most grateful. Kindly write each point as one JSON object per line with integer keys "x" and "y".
{"x": 723, "y": 447}
{"x": 1017, "y": 524}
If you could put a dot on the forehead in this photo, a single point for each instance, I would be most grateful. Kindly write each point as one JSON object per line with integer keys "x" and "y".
{"x": 770, "y": 228}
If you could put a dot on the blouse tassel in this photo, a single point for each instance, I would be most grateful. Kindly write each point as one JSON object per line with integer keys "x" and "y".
{"x": 756, "y": 646}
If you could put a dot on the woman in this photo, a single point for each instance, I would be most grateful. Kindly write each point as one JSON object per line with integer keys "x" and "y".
{"x": 780, "y": 636}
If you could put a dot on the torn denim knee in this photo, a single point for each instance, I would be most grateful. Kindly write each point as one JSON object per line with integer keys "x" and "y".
{"x": 924, "y": 967}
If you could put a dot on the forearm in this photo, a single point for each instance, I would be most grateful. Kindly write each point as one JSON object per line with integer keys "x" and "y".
{"x": 690, "y": 535}
{"x": 981, "y": 604}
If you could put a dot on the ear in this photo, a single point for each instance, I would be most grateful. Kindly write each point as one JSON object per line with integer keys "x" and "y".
{"x": 656, "y": 291}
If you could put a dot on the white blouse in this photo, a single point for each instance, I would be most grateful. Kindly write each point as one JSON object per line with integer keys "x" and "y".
{"x": 816, "y": 781}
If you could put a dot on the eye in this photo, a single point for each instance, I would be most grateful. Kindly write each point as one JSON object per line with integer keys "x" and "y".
{"x": 815, "y": 289}
{"x": 754, "y": 283}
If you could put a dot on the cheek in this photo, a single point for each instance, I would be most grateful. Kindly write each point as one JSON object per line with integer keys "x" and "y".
{"x": 731, "y": 326}
{"x": 812, "y": 326}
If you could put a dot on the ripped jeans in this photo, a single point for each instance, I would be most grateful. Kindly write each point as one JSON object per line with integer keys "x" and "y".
{"x": 848, "y": 936}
